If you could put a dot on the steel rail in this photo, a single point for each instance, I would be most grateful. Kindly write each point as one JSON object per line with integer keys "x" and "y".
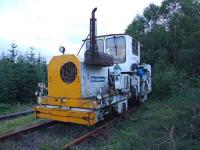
{"x": 26, "y": 130}
{"x": 15, "y": 115}
{"x": 98, "y": 131}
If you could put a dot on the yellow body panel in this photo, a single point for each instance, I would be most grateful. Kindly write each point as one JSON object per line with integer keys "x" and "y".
{"x": 86, "y": 118}
{"x": 56, "y": 86}
{"x": 65, "y": 96}
{"x": 70, "y": 102}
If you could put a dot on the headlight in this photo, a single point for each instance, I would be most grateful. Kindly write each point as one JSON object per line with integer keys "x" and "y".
{"x": 36, "y": 93}
{"x": 62, "y": 49}
{"x": 39, "y": 100}
{"x": 99, "y": 96}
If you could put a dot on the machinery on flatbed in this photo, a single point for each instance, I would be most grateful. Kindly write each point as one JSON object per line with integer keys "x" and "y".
{"x": 106, "y": 76}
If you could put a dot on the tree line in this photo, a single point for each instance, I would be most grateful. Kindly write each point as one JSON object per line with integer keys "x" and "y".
{"x": 20, "y": 73}
{"x": 170, "y": 35}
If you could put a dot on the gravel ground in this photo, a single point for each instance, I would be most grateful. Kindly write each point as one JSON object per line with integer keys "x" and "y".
{"x": 93, "y": 144}
{"x": 53, "y": 137}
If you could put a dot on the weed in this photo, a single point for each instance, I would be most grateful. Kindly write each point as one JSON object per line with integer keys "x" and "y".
{"x": 14, "y": 124}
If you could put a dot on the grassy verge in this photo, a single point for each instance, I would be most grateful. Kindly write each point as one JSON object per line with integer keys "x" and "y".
{"x": 11, "y": 108}
{"x": 173, "y": 123}
{"x": 15, "y": 124}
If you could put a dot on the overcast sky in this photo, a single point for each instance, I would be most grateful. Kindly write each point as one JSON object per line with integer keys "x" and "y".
{"x": 48, "y": 24}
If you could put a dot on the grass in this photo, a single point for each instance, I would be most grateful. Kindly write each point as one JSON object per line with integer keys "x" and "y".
{"x": 51, "y": 138}
{"x": 45, "y": 147}
{"x": 169, "y": 124}
{"x": 17, "y": 123}
{"x": 11, "y": 108}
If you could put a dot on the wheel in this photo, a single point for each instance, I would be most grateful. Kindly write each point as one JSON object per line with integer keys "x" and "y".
{"x": 142, "y": 98}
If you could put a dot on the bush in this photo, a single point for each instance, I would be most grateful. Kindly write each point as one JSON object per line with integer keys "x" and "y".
{"x": 168, "y": 82}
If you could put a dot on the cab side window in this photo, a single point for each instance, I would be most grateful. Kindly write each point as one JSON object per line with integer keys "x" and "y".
{"x": 100, "y": 45}
{"x": 135, "y": 47}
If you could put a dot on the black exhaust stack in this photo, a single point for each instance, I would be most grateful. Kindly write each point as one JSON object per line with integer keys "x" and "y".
{"x": 93, "y": 43}
{"x": 93, "y": 56}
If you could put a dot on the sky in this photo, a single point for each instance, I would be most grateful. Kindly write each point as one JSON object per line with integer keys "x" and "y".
{"x": 49, "y": 24}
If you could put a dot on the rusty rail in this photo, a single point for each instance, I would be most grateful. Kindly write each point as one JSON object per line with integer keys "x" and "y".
{"x": 15, "y": 115}
{"x": 26, "y": 130}
{"x": 99, "y": 130}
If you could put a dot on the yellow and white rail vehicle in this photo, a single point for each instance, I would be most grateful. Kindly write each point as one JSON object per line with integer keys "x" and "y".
{"x": 106, "y": 76}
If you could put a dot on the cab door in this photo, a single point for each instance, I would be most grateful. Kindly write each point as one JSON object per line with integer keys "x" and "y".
{"x": 136, "y": 51}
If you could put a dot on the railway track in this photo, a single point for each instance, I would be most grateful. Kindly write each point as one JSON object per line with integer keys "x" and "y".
{"x": 100, "y": 130}
{"x": 15, "y": 115}
{"x": 26, "y": 130}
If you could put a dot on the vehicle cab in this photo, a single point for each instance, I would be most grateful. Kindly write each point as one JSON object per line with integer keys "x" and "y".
{"x": 124, "y": 49}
